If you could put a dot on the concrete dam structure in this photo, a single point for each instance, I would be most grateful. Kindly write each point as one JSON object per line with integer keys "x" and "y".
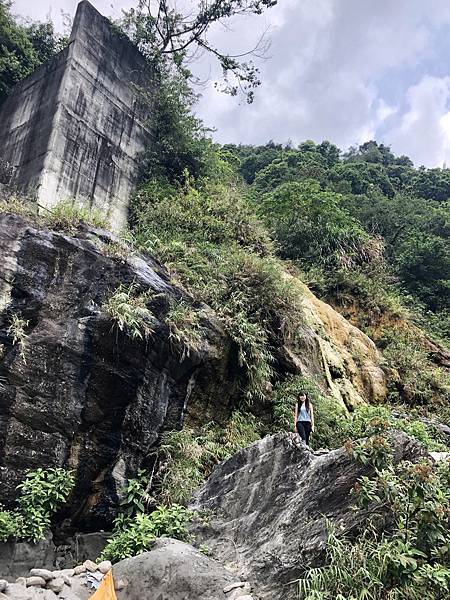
{"x": 75, "y": 128}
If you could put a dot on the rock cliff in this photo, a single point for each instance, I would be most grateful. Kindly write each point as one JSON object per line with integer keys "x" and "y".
{"x": 80, "y": 393}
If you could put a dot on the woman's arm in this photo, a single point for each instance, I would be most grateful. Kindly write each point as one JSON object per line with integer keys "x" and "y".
{"x": 312, "y": 417}
{"x": 295, "y": 418}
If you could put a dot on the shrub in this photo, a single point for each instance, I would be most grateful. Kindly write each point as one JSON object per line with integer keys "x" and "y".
{"x": 9, "y": 525}
{"x": 68, "y": 216}
{"x": 420, "y": 382}
{"x": 141, "y": 531}
{"x": 408, "y": 557}
{"x": 135, "y": 500}
{"x": 41, "y": 494}
{"x": 185, "y": 329}
{"x": 65, "y": 216}
{"x": 370, "y": 569}
{"x": 12, "y": 203}
{"x": 128, "y": 309}
{"x": 217, "y": 248}
{"x": 17, "y": 330}
{"x": 187, "y": 457}
{"x": 375, "y": 451}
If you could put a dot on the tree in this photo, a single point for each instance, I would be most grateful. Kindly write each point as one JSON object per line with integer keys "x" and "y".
{"x": 311, "y": 225}
{"x": 159, "y": 29}
{"x": 23, "y": 48}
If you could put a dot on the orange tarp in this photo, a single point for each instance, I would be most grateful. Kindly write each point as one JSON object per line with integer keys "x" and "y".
{"x": 106, "y": 589}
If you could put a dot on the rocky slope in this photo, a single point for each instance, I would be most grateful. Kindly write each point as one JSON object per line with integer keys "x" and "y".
{"x": 78, "y": 392}
{"x": 269, "y": 506}
{"x": 262, "y": 517}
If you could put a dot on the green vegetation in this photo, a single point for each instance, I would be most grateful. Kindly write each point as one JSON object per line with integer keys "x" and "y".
{"x": 404, "y": 552}
{"x": 66, "y": 216}
{"x": 18, "y": 332}
{"x": 185, "y": 328}
{"x": 143, "y": 529}
{"x": 129, "y": 312}
{"x": 135, "y": 530}
{"x": 218, "y": 250}
{"x": 41, "y": 494}
{"x": 23, "y": 47}
{"x": 365, "y": 211}
{"x": 335, "y": 426}
{"x": 187, "y": 457}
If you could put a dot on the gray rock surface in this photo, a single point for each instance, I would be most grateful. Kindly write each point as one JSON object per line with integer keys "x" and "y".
{"x": 35, "y": 581}
{"x": 18, "y": 558}
{"x": 43, "y": 573}
{"x": 267, "y": 508}
{"x": 172, "y": 570}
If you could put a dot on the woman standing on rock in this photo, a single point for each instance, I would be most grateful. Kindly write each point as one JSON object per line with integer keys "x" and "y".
{"x": 304, "y": 417}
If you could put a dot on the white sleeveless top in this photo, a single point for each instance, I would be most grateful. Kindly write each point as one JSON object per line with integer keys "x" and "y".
{"x": 304, "y": 415}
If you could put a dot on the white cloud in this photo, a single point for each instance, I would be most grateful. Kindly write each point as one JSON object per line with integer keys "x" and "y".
{"x": 424, "y": 129}
{"x": 322, "y": 82}
{"x": 331, "y": 62}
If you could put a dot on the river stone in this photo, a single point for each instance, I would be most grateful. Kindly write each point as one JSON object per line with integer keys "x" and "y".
{"x": 270, "y": 505}
{"x": 79, "y": 569}
{"x": 104, "y": 566}
{"x": 56, "y": 585}
{"x": 90, "y": 565}
{"x": 3, "y": 585}
{"x": 67, "y": 572}
{"x": 35, "y": 581}
{"x": 44, "y": 573}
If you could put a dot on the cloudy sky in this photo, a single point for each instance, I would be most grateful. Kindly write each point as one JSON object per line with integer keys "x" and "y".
{"x": 343, "y": 70}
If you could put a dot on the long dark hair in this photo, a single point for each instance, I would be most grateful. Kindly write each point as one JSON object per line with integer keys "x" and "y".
{"x": 307, "y": 401}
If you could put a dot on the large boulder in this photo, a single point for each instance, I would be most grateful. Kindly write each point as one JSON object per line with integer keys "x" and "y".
{"x": 267, "y": 509}
{"x": 172, "y": 570}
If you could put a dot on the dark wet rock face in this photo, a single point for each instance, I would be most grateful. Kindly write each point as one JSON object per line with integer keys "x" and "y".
{"x": 83, "y": 394}
{"x": 270, "y": 503}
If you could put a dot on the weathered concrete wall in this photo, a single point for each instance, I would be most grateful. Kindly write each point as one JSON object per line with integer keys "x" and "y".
{"x": 27, "y": 119}
{"x": 75, "y": 129}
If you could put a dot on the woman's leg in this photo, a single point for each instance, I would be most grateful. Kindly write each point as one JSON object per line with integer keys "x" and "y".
{"x": 307, "y": 428}
{"x": 301, "y": 430}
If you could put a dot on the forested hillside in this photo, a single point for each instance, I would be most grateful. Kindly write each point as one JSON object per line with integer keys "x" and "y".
{"x": 362, "y": 220}
{"x": 150, "y": 378}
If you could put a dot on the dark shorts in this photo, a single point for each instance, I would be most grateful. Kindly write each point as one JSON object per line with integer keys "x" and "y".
{"x": 304, "y": 430}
